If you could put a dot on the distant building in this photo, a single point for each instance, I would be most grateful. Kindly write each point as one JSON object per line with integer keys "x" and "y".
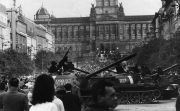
{"x": 27, "y": 36}
{"x": 106, "y": 29}
{"x": 166, "y": 21}
{"x": 4, "y": 29}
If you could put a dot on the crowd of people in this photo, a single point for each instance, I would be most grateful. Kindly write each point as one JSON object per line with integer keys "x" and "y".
{"x": 44, "y": 97}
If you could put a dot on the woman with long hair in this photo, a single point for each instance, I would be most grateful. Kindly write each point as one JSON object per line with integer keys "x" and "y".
{"x": 43, "y": 94}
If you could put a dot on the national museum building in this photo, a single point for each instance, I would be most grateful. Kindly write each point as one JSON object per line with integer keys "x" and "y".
{"x": 107, "y": 29}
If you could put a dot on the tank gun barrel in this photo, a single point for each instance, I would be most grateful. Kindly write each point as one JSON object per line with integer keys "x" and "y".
{"x": 111, "y": 65}
{"x": 81, "y": 70}
{"x": 167, "y": 69}
{"x": 173, "y": 66}
{"x": 63, "y": 59}
{"x": 65, "y": 55}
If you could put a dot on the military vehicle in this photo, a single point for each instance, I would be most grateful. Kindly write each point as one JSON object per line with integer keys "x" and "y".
{"x": 130, "y": 87}
{"x": 169, "y": 83}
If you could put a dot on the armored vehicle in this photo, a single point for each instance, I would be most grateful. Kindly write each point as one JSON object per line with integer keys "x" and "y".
{"x": 131, "y": 88}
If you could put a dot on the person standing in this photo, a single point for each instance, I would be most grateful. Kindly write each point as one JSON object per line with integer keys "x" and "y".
{"x": 43, "y": 95}
{"x": 103, "y": 97}
{"x": 12, "y": 100}
{"x": 178, "y": 101}
{"x": 70, "y": 100}
{"x": 2, "y": 87}
{"x": 58, "y": 103}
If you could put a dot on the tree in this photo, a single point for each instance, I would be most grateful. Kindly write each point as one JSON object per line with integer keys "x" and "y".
{"x": 159, "y": 52}
{"x": 44, "y": 58}
{"x": 14, "y": 63}
{"x": 149, "y": 53}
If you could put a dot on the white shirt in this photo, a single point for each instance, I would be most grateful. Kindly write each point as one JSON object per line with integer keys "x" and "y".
{"x": 58, "y": 103}
{"x": 48, "y": 106}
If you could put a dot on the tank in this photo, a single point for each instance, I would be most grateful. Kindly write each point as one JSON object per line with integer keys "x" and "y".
{"x": 169, "y": 83}
{"x": 129, "y": 89}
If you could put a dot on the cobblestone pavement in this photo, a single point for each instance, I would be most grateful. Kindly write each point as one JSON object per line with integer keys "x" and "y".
{"x": 162, "y": 105}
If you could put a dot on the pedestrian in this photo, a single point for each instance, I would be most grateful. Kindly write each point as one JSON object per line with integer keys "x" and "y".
{"x": 2, "y": 87}
{"x": 60, "y": 93}
{"x": 59, "y": 103}
{"x": 12, "y": 100}
{"x": 43, "y": 95}
{"x": 71, "y": 101}
{"x": 178, "y": 101}
{"x": 103, "y": 97}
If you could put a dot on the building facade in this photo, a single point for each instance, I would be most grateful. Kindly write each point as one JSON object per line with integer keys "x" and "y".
{"x": 4, "y": 29}
{"x": 166, "y": 21}
{"x": 27, "y": 36}
{"x": 107, "y": 29}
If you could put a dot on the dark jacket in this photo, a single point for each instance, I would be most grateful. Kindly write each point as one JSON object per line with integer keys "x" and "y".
{"x": 71, "y": 102}
{"x": 13, "y": 101}
{"x": 178, "y": 103}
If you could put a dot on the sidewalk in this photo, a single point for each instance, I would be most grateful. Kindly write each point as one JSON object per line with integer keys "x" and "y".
{"x": 165, "y": 105}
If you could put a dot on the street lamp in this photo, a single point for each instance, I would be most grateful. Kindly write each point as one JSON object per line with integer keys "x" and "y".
{"x": 42, "y": 57}
{"x": 29, "y": 51}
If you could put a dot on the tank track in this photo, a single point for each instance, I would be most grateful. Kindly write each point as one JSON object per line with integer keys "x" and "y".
{"x": 138, "y": 97}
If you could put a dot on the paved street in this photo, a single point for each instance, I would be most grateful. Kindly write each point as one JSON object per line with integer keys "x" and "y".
{"x": 164, "y": 105}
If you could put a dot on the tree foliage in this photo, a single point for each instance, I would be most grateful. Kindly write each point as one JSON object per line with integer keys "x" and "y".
{"x": 14, "y": 63}
{"x": 159, "y": 52}
{"x": 43, "y": 60}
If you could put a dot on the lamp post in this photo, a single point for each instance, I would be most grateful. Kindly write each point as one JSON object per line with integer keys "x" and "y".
{"x": 42, "y": 57}
{"x": 41, "y": 49}
{"x": 29, "y": 51}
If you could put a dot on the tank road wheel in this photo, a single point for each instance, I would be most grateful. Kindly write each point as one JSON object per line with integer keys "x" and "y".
{"x": 134, "y": 98}
{"x": 146, "y": 97}
{"x": 123, "y": 98}
{"x": 156, "y": 94}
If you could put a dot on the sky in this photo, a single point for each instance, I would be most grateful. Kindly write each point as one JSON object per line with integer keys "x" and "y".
{"x": 81, "y": 8}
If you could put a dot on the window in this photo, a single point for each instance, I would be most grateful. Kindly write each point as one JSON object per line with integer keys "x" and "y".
{"x": 64, "y": 32}
{"x": 133, "y": 31}
{"x": 101, "y": 31}
{"x": 99, "y": 3}
{"x": 87, "y": 31}
{"x": 112, "y": 2}
{"x": 107, "y": 32}
{"x": 113, "y": 31}
{"x": 120, "y": 32}
{"x": 75, "y": 31}
{"x": 59, "y": 33}
{"x": 70, "y": 32}
{"x": 139, "y": 31}
{"x": 81, "y": 31}
{"x": 126, "y": 31}
{"x": 106, "y": 2}
{"x": 144, "y": 29}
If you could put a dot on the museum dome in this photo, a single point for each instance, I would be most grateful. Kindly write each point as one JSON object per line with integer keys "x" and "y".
{"x": 42, "y": 11}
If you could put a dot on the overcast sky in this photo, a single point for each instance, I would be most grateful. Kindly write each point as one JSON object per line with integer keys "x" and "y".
{"x": 81, "y": 8}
